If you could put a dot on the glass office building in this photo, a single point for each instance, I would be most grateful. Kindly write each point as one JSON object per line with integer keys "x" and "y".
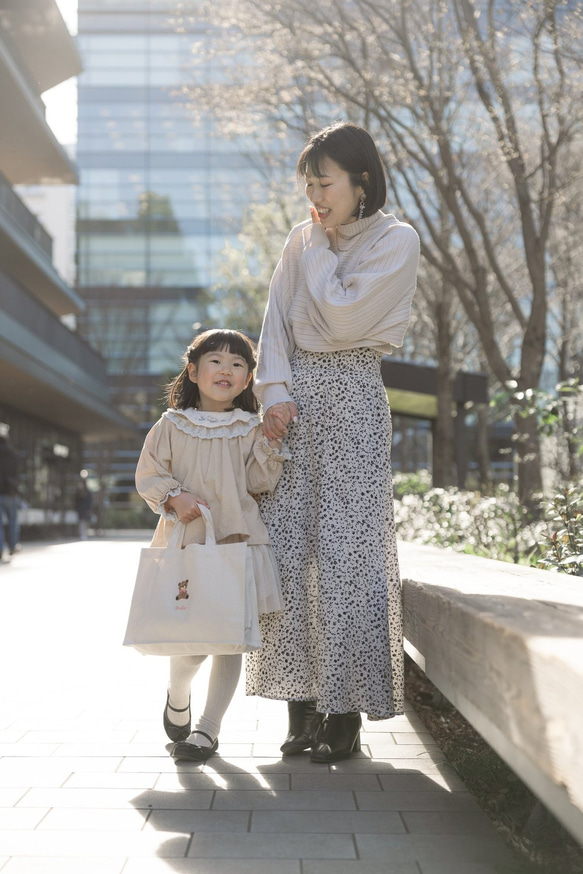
{"x": 159, "y": 197}
{"x": 159, "y": 193}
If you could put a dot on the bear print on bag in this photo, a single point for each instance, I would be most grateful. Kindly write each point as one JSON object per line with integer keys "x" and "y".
{"x": 182, "y": 590}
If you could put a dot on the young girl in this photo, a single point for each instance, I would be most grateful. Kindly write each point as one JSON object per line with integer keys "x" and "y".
{"x": 208, "y": 448}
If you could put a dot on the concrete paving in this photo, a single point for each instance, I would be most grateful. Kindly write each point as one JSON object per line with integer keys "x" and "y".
{"x": 87, "y": 785}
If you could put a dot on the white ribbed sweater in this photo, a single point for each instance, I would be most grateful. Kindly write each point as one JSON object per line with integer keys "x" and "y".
{"x": 343, "y": 288}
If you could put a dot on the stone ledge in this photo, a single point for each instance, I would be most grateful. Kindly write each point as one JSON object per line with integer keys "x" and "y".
{"x": 504, "y": 643}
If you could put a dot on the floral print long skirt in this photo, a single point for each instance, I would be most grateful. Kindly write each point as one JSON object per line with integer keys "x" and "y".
{"x": 338, "y": 640}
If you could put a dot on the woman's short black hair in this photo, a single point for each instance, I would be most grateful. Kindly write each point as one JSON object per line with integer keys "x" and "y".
{"x": 353, "y": 149}
{"x": 182, "y": 393}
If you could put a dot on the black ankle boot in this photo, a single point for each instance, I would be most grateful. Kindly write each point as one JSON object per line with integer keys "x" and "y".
{"x": 304, "y": 724}
{"x": 339, "y": 738}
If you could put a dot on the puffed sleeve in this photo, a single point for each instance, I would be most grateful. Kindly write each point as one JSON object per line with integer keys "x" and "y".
{"x": 273, "y": 380}
{"x": 264, "y": 464}
{"x": 372, "y": 302}
{"x": 154, "y": 480}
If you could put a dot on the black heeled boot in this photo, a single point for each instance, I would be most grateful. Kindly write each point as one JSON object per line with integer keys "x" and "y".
{"x": 339, "y": 738}
{"x": 304, "y": 724}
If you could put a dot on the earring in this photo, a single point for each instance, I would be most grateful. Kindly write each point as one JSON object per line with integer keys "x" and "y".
{"x": 361, "y": 209}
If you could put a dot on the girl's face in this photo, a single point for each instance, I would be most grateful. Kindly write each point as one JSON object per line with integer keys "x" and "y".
{"x": 221, "y": 377}
{"x": 333, "y": 194}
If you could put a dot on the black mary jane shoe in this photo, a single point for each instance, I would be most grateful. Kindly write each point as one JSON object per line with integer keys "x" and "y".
{"x": 188, "y": 752}
{"x": 176, "y": 732}
{"x": 304, "y": 725}
{"x": 339, "y": 738}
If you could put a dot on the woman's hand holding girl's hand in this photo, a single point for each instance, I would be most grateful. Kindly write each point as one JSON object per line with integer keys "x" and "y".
{"x": 277, "y": 418}
{"x": 315, "y": 216}
{"x": 185, "y": 506}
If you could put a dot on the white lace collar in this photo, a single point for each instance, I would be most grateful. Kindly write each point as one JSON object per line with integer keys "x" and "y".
{"x": 198, "y": 423}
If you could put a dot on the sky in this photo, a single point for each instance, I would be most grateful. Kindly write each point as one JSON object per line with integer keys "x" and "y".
{"x": 61, "y": 101}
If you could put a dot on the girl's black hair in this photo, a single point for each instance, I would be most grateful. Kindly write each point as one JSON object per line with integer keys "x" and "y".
{"x": 353, "y": 149}
{"x": 182, "y": 393}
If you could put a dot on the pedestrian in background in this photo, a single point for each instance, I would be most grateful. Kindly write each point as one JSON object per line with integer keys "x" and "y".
{"x": 9, "y": 499}
{"x": 83, "y": 504}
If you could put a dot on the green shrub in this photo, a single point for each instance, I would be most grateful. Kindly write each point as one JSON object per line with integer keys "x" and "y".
{"x": 562, "y": 545}
{"x": 494, "y": 526}
{"x": 416, "y": 482}
{"x": 129, "y": 517}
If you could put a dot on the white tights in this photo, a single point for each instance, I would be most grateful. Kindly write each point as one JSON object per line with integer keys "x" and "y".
{"x": 224, "y": 676}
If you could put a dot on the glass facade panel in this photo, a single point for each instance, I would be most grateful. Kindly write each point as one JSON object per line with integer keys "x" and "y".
{"x": 133, "y": 22}
{"x": 115, "y": 141}
{"x": 115, "y": 208}
{"x": 172, "y": 330}
{"x": 110, "y": 77}
{"x": 95, "y": 113}
{"x": 92, "y": 45}
{"x": 131, "y": 59}
{"x": 115, "y": 5}
{"x": 94, "y": 273}
{"x": 110, "y": 244}
{"x": 146, "y": 336}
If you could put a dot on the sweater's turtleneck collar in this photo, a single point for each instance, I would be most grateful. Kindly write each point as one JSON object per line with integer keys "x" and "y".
{"x": 352, "y": 229}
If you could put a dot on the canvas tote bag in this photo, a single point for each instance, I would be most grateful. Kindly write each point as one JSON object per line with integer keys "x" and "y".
{"x": 195, "y": 600}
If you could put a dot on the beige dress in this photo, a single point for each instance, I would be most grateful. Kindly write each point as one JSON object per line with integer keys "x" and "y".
{"x": 224, "y": 459}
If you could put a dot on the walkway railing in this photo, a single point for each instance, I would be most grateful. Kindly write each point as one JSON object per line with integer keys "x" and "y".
{"x": 15, "y": 209}
{"x": 17, "y": 302}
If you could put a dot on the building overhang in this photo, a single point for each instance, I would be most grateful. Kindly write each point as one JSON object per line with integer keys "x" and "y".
{"x": 412, "y": 388}
{"x": 40, "y": 380}
{"x": 29, "y": 151}
{"x": 60, "y": 405}
{"x": 42, "y": 39}
{"x": 25, "y": 260}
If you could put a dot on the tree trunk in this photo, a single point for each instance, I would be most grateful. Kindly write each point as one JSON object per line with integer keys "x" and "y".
{"x": 529, "y": 461}
{"x": 482, "y": 449}
{"x": 404, "y": 445}
{"x": 443, "y": 453}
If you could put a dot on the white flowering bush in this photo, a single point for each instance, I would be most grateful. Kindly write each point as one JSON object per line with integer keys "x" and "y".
{"x": 493, "y": 526}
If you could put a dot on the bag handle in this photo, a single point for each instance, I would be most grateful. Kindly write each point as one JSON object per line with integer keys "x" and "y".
{"x": 176, "y": 538}
{"x": 209, "y": 525}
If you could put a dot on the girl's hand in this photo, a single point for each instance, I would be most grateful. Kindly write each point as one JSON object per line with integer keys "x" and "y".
{"x": 315, "y": 216}
{"x": 277, "y": 418}
{"x": 185, "y": 506}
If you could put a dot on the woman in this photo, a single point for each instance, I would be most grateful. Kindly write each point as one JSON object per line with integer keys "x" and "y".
{"x": 339, "y": 299}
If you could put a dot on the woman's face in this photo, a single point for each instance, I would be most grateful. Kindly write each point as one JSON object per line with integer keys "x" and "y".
{"x": 333, "y": 194}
